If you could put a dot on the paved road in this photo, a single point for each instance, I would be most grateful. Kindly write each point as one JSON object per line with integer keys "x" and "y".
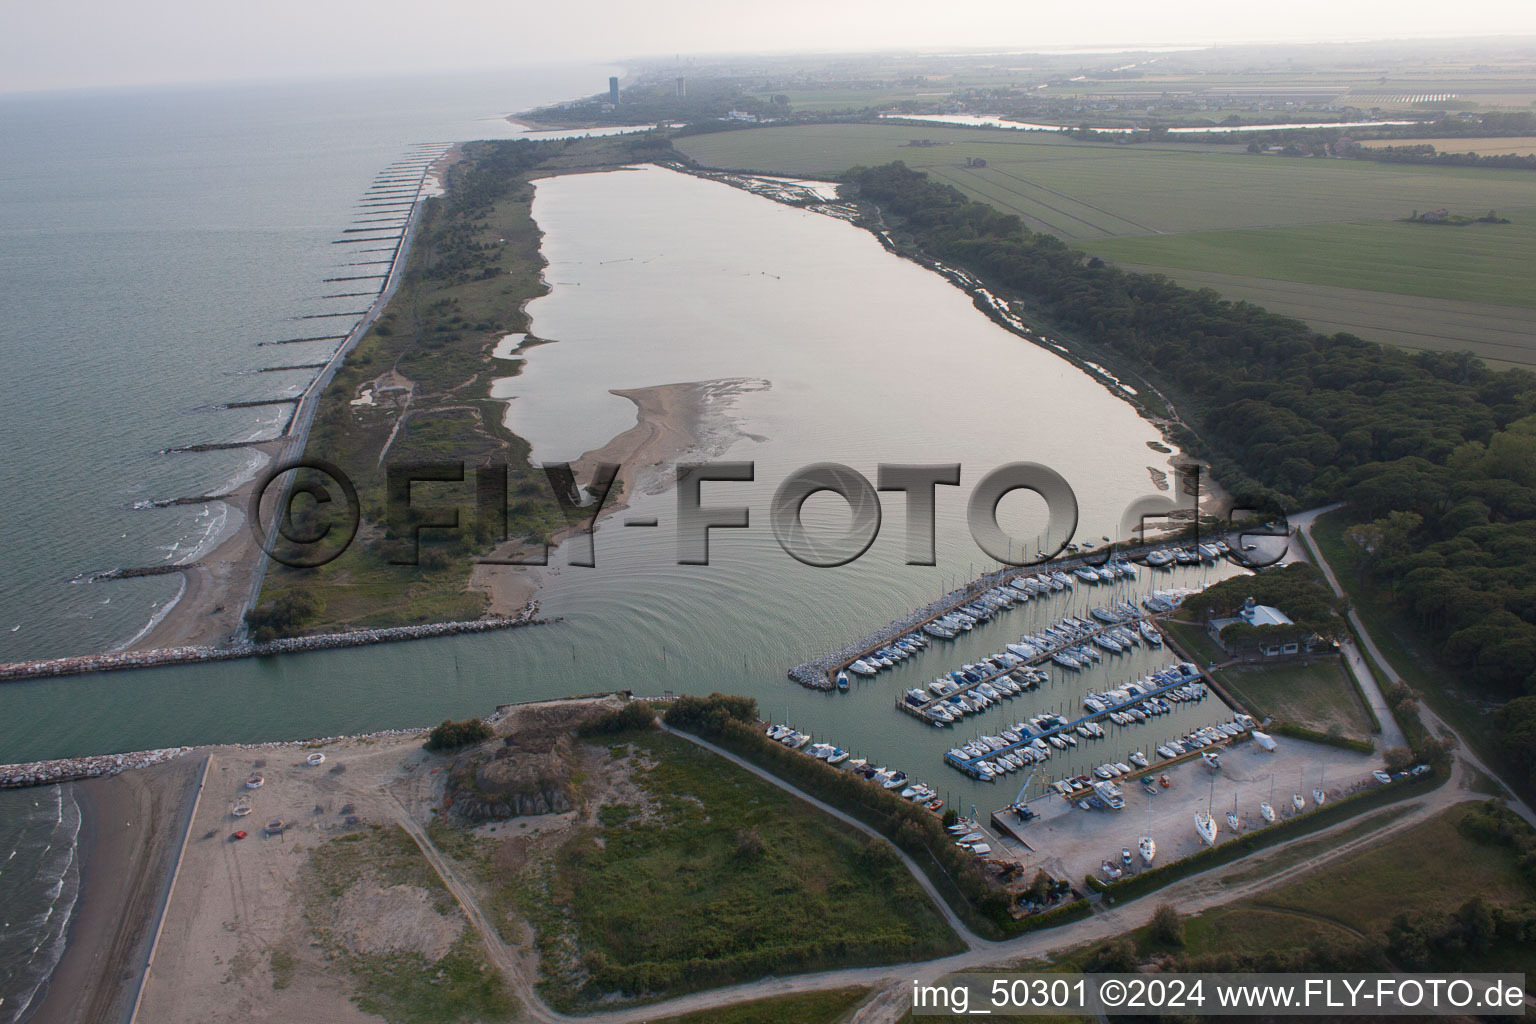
{"x": 1303, "y": 523}
{"x": 892, "y": 983}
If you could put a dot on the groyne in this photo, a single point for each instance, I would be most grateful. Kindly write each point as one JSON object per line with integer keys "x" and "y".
{"x": 70, "y": 769}
{"x": 53, "y": 668}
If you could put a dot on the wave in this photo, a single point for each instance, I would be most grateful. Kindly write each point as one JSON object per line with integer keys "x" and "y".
{"x": 44, "y": 937}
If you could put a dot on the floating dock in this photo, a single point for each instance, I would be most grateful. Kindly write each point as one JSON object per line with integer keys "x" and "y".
{"x": 819, "y": 673}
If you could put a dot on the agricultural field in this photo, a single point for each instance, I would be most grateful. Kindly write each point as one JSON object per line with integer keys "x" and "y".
{"x": 1511, "y": 146}
{"x": 1321, "y": 240}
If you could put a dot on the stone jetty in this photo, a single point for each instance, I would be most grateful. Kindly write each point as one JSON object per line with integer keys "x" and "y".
{"x": 68, "y": 769}
{"x": 20, "y": 671}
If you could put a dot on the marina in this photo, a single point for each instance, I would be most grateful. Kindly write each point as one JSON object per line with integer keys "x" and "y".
{"x": 1086, "y": 567}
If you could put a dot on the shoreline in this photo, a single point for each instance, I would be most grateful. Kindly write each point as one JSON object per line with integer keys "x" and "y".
{"x": 125, "y": 874}
{"x": 671, "y": 420}
{"x": 207, "y": 612}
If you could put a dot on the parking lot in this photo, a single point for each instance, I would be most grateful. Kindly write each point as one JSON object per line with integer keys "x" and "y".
{"x": 1071, "y": 843}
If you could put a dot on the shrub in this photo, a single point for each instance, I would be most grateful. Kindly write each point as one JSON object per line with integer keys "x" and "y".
{"x": 453, "y": 735}
{"x": 635, "y": 716}
{"x": 1167, "y": 925}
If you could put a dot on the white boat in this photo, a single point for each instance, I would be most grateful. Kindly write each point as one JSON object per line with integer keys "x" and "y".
{"x": 1319, "y": 797}
{"x": 837, "y": 756}
{"x": 255, "y": 782}
{"x": 315, "y": 759}
{"x": 1232, "y": 820}
{"x": 1139, "y": 759}
{"x": 1205, "y": 827}
{"x": 1298, "y": 802}
{"x": 1148, "y": 849}
{"x": 1266, "y": 812}
{"x": 1149, "y": 633}
{"x": 242, "y": 808}
{"x": 1211, "y": 759}
{"x": 1111, "y": 872}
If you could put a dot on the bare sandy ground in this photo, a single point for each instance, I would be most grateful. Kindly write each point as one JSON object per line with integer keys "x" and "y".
{"x": 236, "y": 902}
{"x": 671, "y": 421}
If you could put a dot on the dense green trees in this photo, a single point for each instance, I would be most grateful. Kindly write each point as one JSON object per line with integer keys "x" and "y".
{"x": 1289, "y": 417}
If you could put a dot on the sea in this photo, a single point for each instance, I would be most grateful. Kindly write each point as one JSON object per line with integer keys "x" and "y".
{"x": 149, "y": 239}
{"x": 153, "y": 238}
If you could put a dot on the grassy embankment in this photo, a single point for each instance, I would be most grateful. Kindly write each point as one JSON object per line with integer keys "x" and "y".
{"x": 1353, "y": 901}
{"x": 474, "y": 265}
{"x": 402, "y": 987}
{"x": 1320, "y": 240}
{"x": 1319, "y": 696}
{"x": 765, "y": 884}
{"x": 1360, "y": 894}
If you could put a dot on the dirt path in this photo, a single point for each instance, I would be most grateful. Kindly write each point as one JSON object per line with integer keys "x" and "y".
{"x": 1303, "y": 523}
{"x": 892, "y": 983}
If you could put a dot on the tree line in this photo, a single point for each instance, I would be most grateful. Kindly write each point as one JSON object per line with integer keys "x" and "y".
{"x": 1434, "y": 453}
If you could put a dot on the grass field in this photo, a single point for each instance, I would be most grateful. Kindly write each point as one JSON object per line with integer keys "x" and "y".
{"x": 1318, "y": 696}
{"x": 1364, "y": 891}
{"x": 1320, "y": 240}
{"x": 765, "y": 885}
{"x": 1358, "y": 895}
{"x": 1512, "y": 145}
{"x": 1501, "y": 335}
{"x": 1083, "y": 190}
{"x": 1486, "y": 263}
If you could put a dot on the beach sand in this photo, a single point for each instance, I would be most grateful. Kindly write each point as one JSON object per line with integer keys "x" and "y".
{"x": 130, "y": 836}
{"x": 209, "y": 610}
{"x": 671, "y": 421}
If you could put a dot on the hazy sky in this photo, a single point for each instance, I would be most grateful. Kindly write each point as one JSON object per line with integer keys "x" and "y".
{"x": 90, "y": 43}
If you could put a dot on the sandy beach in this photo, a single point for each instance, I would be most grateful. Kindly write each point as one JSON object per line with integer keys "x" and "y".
{"x": 210, "y": 608}
{"x": 671, "y": 421}
{"x": 131, "y": 832}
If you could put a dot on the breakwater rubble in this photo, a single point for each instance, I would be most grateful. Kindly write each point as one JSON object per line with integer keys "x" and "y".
{"x": 19, "y": 671}
{"x": 68, "y": 769}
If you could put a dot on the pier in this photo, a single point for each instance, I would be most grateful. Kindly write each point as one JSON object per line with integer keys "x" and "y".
{"x": 918, "y": 710}
{"x": 818, "y": 673}
{"x": 1183, "y": 678}
{"x": 21, "y": 671}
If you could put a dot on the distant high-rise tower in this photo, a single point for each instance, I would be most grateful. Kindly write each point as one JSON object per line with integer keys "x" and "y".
{"x": 682, "y": 87}
{"x": 613, "y": 91}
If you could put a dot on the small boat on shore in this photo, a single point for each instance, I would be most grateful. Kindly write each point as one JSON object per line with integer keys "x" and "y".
{"x": 1267, "y": 812}
{"x": 255, "y": 782}
{"x": 315, "y": 759}
{"x": 1297, "y": 802}
{"x": 1148, "y": 849}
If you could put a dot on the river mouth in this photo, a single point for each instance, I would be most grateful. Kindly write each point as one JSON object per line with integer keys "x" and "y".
{"x": 803, "y": 341}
